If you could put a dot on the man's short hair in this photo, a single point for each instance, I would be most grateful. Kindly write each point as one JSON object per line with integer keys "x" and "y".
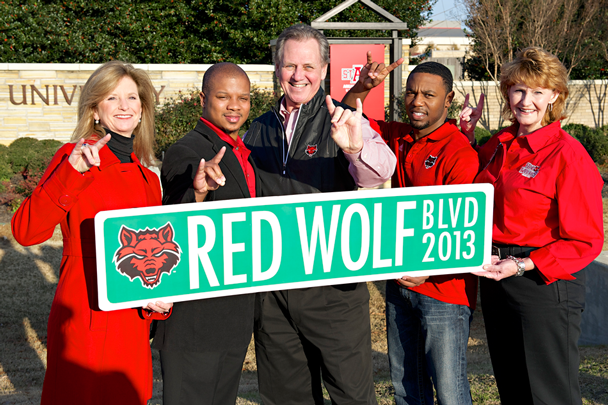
{"x": 301, "y": 32}
{"x": 219, "y": 70}
{"x": 437, "y": 69}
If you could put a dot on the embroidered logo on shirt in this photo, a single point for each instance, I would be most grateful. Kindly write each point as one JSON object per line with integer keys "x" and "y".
{"x": 529, "y": 170}
{"x": 147, "y": 254}
{"x": 430, "y": 161}
{"x": 311, "y": 150}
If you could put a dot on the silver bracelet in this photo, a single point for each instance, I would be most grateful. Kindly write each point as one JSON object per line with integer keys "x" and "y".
{"x": 521, "y": 266}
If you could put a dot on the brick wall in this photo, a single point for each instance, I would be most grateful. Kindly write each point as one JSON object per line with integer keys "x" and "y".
{"x": 40, "y": 100}
{"x": 586, "y": 102}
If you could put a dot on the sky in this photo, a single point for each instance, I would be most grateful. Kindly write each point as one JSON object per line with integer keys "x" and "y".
{"x": 448, "y": 10}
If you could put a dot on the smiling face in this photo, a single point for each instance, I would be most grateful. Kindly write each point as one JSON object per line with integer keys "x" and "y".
{"x": 300, "y": 72}
{"x": 227, "y": 103}
{"x": 426, "y": 102}
{"x": 120, "y": 111}
{"x": 529, "y": 106}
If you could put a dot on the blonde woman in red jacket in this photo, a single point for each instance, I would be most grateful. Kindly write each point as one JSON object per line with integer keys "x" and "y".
{"x": 96, "y": 357}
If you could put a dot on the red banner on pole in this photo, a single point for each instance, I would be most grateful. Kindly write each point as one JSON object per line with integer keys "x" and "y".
{"x": 346, "y": 64}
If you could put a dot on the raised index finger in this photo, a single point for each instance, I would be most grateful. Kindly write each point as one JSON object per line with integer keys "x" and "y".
{"x": 218, "y": 158}
{"x": 466, "y": 102}
{"x": 370, "y": 60}
{"x": 100, "y": 143}
{"x": 359, "y": 112}
{"x": 330, "y": 105}
{"x": 394, "y": 65}
{"x": 482, "y": 98}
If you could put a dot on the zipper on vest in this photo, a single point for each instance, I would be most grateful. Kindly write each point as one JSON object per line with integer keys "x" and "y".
{"x": 284, "y": 155}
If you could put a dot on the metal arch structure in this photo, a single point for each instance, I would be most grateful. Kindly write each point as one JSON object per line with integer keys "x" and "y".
{"x": 394, "y": 24}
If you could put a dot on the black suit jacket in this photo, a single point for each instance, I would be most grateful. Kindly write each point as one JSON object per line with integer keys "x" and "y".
{"x": 214, "y": 324}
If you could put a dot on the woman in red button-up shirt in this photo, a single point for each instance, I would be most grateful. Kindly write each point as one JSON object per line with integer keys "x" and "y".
{"x": 547, "y": 227}
{"x": 96, "y": 357}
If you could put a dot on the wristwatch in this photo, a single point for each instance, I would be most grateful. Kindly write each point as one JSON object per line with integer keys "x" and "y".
{"x": 521, "y": 266}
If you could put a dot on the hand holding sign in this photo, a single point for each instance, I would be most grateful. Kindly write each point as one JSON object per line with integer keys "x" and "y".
{"x": 209, "y": 176}
{"x": 159, "y": 306}
{"x": 500, "y": 269}
{"x": 374, "y": 73}
{"x": 469, "y": 117}
{"x": 85, "y": 156}
{"x": 407, "y": 281}
{"x": 346, "y": 126}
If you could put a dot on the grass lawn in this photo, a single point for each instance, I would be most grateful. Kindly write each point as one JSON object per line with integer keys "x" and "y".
{"x": 28, "y": 277}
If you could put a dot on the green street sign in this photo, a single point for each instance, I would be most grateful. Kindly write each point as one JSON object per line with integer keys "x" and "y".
{"x": 212, "y": 249}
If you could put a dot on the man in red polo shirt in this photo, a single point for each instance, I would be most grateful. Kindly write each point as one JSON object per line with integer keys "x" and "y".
{"x": 428, "y": 319}
{"x": 203, "y": 343}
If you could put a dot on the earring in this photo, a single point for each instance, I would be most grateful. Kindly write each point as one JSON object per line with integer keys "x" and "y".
{"x": 96, "y": 122}
{"x": 140, "y": 120}
{"x": 550, "y": 106}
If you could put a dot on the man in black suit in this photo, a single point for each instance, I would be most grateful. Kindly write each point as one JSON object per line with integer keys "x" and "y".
{"x": 203, "y": 343}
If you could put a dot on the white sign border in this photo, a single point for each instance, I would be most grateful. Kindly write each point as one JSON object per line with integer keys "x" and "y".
{"x": 101, "y": 217}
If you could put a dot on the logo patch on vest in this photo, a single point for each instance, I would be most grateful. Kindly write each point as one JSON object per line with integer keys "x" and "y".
{"x": 147, "y": 254}
{"x": 311, "y": 150}
{"x": 430, "y": 161}
{"x": 529, "y": 170}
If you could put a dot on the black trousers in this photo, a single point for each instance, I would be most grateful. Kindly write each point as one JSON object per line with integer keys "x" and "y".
{"x": 207, "y": 378}
{"x": 308, "y": 335}
{"x": 533, "y": 332}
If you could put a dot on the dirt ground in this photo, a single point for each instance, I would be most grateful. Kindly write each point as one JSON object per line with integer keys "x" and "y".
{"x": 28, "y": 277}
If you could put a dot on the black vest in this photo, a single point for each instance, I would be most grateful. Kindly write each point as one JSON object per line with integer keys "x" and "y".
{"x": 312, "y": 163}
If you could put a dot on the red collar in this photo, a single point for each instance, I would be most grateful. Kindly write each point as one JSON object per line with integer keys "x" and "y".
{"x": 223, "y": 136}
{"x": 235, "y": 144}
{"x": 535, "y": 140}
{"x": 445, "y": 130}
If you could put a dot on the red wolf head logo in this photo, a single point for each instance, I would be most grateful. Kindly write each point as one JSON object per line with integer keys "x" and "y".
{"x": 147, "y": 254}
{"x": 311, "y": 150}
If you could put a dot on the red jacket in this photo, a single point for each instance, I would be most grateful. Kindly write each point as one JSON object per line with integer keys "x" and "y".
{"x": 440, "y": 158}
{"x": 547, "y": 195}
{"x": 93, "y": 357}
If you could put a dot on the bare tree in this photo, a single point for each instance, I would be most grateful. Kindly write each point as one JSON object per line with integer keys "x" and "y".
{"x": 493, "y": 24}
{"x": 566, "y": 28}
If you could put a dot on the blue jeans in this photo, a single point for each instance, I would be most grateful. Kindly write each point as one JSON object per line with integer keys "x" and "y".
{"x": 427, "y": 345}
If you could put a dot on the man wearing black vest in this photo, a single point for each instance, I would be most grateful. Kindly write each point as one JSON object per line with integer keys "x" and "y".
{"x": 306, "y": 144}
{"x": 203, "y": 343}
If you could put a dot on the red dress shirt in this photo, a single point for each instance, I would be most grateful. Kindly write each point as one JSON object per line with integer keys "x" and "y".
{"x": 241, "y": 152}
{"x": 443, "y": 157}
{"x": 547, "y": 195}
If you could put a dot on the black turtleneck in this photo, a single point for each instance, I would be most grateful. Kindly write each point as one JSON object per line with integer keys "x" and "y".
{"x": 121, "y": 146}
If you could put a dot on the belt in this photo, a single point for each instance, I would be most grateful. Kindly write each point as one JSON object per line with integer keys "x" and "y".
{"x": 502, "y": 251}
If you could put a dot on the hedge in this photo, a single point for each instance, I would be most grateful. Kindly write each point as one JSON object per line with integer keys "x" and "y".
{"x": 24, "y": 161}
{"x": 178, "y": 116}
{"x": 22, "y": 165}
{"x": 171, "y": 31}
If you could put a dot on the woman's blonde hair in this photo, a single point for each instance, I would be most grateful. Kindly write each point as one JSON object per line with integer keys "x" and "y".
{"x": 101, "y": 83}
{"x": 535, "y": 67}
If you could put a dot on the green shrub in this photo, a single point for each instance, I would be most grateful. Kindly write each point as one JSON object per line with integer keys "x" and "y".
{"x": 31, "y": 154}
{"x": 175, "y": 118}
{"x": 482, "y": 135}
{"x": 21, "y": 152}
{"x": 261, "y": 102}
{"x": 22, "y": 165}
{"x": 5, "y": 168}
{"x": 495, "y": 131}
{"x": 594, "y": 140}
{"x": 178, "y": 116}
{"x": 171, "y": 31}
